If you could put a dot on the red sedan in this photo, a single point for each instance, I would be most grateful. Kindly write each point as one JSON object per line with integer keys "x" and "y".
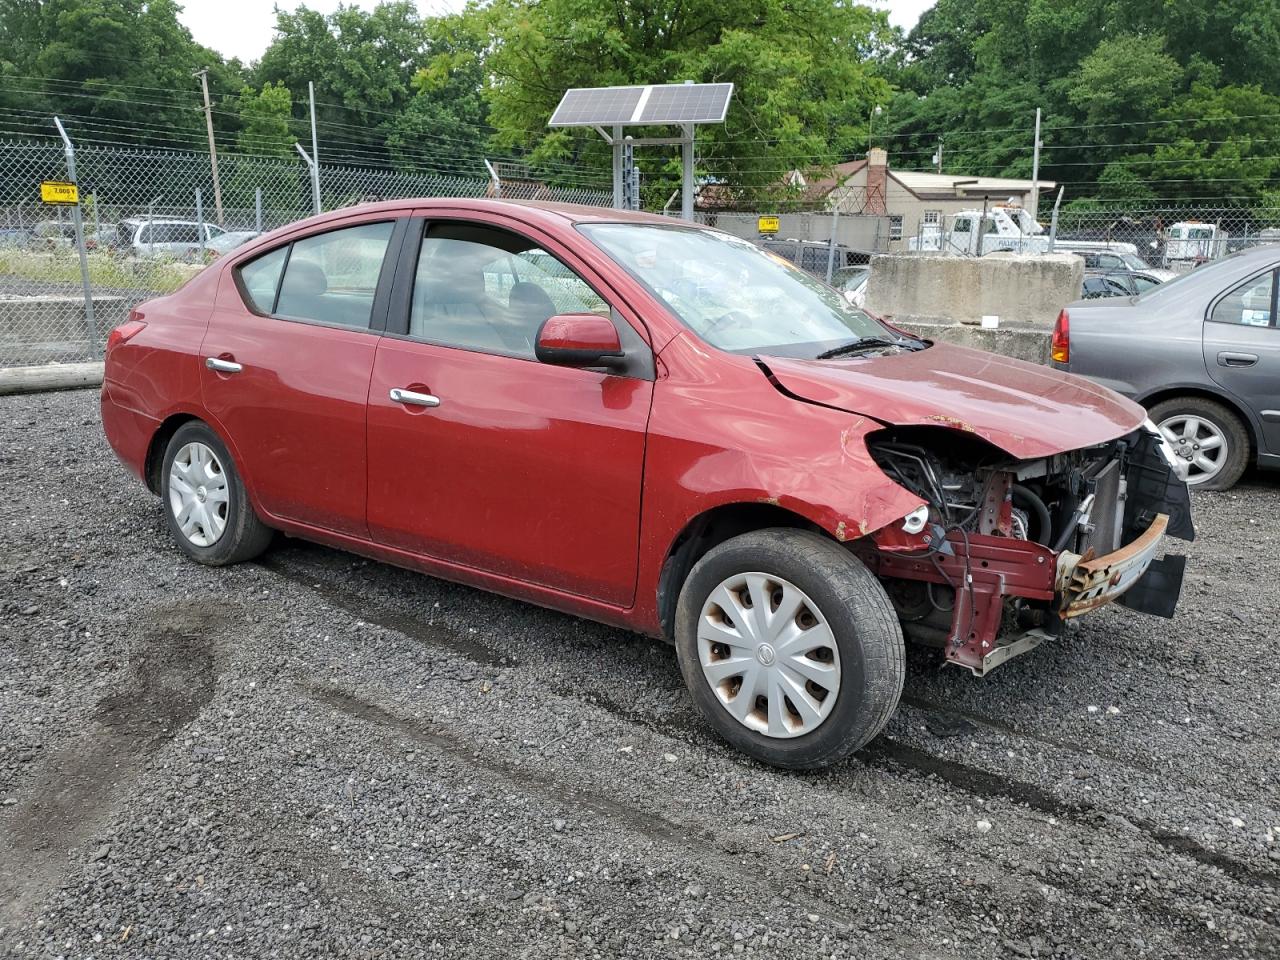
{"x": 651, "y": 424}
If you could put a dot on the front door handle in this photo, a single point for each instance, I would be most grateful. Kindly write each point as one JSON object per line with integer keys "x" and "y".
{"x": 1228, "y": 359}
{"x": 222, "y": 366}
{"x": 414, "y": 399}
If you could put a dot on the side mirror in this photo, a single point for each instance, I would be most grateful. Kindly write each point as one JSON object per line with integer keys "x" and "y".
{"x": 578, "y": 340}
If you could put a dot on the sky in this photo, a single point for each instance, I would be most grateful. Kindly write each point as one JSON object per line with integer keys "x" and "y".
{"x": 243, "y": 28}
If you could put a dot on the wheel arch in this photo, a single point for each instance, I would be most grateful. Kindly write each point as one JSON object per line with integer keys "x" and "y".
{"x": 159, "y": 442}
{"x": 709, "y": 529}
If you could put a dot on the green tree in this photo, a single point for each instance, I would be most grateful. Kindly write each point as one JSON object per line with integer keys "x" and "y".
{"x": 802, "y": 84}
{"x": 264, "y": 118}
{"x": 1124, "y": 77}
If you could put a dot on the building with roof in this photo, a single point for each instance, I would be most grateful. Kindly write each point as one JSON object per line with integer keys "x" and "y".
{"x": 910, "y": 200}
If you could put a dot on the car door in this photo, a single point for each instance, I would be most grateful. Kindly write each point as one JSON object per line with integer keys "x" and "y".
{"x": 285, "y": 369}
{"x": 1242, "y": 349}
{"x": 489, "y": 458}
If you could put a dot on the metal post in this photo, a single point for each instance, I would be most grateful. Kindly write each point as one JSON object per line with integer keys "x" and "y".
{"x": 213, "y": 149}
{"x": 200, "y": 219}
{"x": 616, "y": 143}
{"x": 628, "y": 171}
{"x": 97, "y": 220}
{"x": 1053, "y": 224}
{"x": 494, "y": 179}
{"x": 151, "y": 227}
{"x": 315, "y": 151}
{"x": 78, "y": 222}
{"x": 831, "y": 244}
{"x": 1035, "y": 172}
{"x": 686, "y": 182}
{"x": 257, "y": 209}
{"x": 315, "y": 178}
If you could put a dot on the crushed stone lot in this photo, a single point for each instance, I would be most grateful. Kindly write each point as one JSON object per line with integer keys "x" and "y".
{"x": 317, "y": 755}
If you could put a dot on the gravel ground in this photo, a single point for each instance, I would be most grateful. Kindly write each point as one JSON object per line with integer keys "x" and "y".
{"x": 316, "y": 755}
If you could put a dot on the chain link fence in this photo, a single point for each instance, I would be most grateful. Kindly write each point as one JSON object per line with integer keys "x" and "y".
{"x": 152, "y": 221}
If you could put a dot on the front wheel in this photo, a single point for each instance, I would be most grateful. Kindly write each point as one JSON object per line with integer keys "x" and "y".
{"x": 790, "y": 647}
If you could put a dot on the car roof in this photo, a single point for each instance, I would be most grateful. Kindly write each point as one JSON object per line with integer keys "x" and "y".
{"x": 528, "y": 210}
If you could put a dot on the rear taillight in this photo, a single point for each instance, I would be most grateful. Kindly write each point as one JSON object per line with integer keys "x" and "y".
{"x": 1060, "y": 345}
{"x": 126, "y": 331}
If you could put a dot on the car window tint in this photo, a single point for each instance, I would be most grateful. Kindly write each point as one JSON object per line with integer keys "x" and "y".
{"x": 331, "y": 277}
{"x": 486, "y": 289}
{"x": 185, "y": 233}
{"x": 260, "y": 277}
{"x": 1248, "y": 304}
{"x": 1144, "y": 283}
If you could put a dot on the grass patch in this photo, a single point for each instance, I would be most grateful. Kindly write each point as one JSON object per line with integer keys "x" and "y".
{"x": 153, "y": 276}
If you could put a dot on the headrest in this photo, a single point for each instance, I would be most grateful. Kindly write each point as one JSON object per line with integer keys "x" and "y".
{"x": 531, "y": 300}
{"x": 304, "y": 278}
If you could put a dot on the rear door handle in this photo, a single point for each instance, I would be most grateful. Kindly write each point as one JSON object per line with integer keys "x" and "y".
{"x": 1228, "y": 359}
{"x": 414, "y": 399}
{"x": 222, "y": 366}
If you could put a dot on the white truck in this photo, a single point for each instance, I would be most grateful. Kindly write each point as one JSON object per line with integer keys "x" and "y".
{"x": 1003, "y": 227}
{"x": 1191, "y": 242}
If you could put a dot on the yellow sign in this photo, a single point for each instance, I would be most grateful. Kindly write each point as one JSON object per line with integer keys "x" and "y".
{"x": 768, "y": 224}
{"x": 57, "y": 191}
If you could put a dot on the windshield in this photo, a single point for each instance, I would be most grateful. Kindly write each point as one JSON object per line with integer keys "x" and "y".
{"x": 732, "y": 294}
{"x": 1135, "y": 262}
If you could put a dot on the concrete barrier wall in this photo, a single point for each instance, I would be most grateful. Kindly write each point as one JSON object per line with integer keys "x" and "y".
{"x": 1018, "y": 290}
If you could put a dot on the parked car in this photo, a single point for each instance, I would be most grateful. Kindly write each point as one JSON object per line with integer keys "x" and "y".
{"x": 15, "y": 237}
{"x": 813, "y": 256}
{"x": 654, "y": 425}
{"x": 228, "y": 240}
{"x": 61, "y": 235}
{"x": 852, "y": 282}
{"x": 1120, "y": 283}
{"x": 165, "y": 238}
{"x": 1112, "y": 261}
{"x": 1201, "y": 352}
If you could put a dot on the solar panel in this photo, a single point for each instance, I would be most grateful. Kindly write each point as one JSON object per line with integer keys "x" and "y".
{"x": 687, "y": 103}
{"x": 660, "y": 103}
{"x": 586, "y": 107}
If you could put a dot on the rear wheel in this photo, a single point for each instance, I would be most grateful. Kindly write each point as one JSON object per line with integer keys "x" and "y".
{"x": 1211, "y": 438}
{"x": 790, "y": 647}
{"x": 208, "y": 511}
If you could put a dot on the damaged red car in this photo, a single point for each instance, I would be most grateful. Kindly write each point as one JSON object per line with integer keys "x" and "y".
{"x": 650, "y": 424}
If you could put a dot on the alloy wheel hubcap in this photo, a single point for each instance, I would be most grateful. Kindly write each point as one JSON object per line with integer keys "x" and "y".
{"x": 768, "y": 655}
{"x": 198, "y": 494}
{"x": 1198, "y": 441}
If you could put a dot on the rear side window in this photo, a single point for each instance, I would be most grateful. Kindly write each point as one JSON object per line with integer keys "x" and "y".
{"x": 1250, "y": 304}
{"x": 331, "y": 277}
{"x": 260, "y": 279}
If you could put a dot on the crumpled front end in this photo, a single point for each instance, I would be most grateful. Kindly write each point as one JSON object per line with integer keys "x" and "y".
{"x": 1011, "y": 550}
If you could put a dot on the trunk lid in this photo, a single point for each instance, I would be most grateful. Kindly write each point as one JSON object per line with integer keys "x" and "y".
{"x": 1027, "y": 410}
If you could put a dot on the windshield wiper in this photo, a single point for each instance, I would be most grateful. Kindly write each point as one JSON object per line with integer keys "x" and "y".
{"x": 866, "y": 343}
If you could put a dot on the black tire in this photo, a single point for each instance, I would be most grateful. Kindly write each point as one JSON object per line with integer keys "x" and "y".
{"x": 1226, "y": 421}
{"x": 862, "y": 620}
{"x": 245, "y": 536}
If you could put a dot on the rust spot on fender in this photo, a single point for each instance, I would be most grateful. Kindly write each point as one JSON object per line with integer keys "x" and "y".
{"x": 951, "y": 422}
{"x": 841, "y": 535}
{"x": 771, "y": 500}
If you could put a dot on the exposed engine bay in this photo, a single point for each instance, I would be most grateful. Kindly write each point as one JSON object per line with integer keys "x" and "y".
{"x": 1006, "y": 551}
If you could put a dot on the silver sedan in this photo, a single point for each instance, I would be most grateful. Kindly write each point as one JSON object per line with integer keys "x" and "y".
{"x": 1201, "y": 352}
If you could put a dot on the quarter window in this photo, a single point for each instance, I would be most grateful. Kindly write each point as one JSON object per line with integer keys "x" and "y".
{"x": 331, "y": 277}
{"x": 260, "y": 279}
{"x": 1251, "y": 304}
{"x": 485, "y": 289}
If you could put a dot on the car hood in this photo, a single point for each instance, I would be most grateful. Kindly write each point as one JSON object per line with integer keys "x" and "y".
{"x": 1027, "y": 410}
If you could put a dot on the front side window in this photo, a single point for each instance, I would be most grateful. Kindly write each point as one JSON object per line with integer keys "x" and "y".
{"x": 1249, "y": 304}
{"x": 1142, "y": 283}
{"x": 331, "y": 277}
{"x": 481, "y": 288}
{"x": 961, "y": 225}
{"x": 731, "y": 294}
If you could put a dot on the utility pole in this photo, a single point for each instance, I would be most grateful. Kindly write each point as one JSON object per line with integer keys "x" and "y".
{"x": 1035, "y": 172}
{"x": 213, "y": 149}
{"x": 937, "y": 157}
